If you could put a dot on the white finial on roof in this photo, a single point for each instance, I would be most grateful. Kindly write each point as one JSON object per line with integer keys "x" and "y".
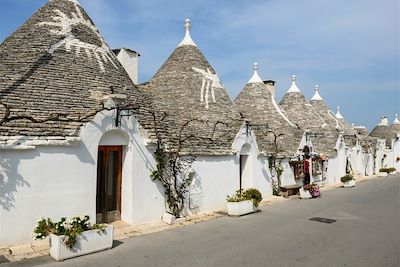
{"x": 187, "y": 40}
{"x": 316, "y": 95}
{"x": 255, "y": 78}
{"x": 338, "y": 115}
{"x": 293, "y": 88}
{"x": 384, "y": 121}
{"x": 396, "y": 120}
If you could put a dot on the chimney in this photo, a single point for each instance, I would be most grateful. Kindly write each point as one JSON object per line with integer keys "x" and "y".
{"x": 271, "y": 86}
{"x": 129, "y": 59}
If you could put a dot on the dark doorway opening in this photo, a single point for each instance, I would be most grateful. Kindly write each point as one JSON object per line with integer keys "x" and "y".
{"x": 109, "y": 178}
{"x": 242, "y": 165}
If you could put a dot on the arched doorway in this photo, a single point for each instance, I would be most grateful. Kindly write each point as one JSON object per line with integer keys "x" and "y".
{"x": 109, "y": 176}
{"x": 244, "y": 166}
{"x": 306, "y": 151}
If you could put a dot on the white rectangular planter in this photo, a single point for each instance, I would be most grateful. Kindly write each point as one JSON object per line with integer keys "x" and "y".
{"x": 382, "y": 174}
{"x": 240, "y": 208}
{"x": 168, "y": 218}
{"x": 350, "y": 183}
{"x": 88, "y": 242}
{"x": 304, "y": 194}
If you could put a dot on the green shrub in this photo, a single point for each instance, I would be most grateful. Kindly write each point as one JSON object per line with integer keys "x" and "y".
{"x": 254, "y": 195}
{"x": 249, "y": 194}
{"x": 346, "y": 178}
{"x": 387, "y": 169}
{"x": 71, "y": 229}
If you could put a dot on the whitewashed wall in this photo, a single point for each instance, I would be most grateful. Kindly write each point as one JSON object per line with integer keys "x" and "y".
{"x": 215, "y": 177}
{"x": 356, "y": 158}
{"x": 337, "y": 165}
{"x": 396, "y": 153}
{"x": 288, "y": 175}
{"x": 60, "y": 181}
{"x": 256, "y": 174}
{"x": 368, "y": 163}
{"x": 380, "y": 157}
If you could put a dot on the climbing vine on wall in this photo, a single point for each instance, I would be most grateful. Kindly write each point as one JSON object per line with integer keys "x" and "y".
{"x": 173, "y": 166}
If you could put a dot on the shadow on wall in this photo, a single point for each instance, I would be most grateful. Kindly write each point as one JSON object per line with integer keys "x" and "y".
{"x": 10, "y": 181}
{"x": 194, "y": 198}
{"x": 265, "y": 169}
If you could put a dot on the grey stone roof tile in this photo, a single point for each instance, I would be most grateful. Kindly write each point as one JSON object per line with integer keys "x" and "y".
{"x": 47, "y": 67}
{"x": 301, "y": 112}
{"x": 186, "y": 87}
{"x": 383, "y": 132}
{"x": 255, "y": 102}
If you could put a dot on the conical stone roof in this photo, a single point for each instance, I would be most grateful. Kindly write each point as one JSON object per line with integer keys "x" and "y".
{"x": 332, "y": 120}
{"x": 395, "y": 127}
{"x": 361, "y": 130}
{"x": 57, "y": 64}
{"x": 259, "y": 107}
{"x": 186, "y": 88}
{"x": 383, "y": 131}
{"x": 344, "y": 125}
{"x": 301, "y": 112}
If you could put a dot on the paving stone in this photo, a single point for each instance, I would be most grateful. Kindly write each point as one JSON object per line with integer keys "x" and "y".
{"x": 21, "y": 249}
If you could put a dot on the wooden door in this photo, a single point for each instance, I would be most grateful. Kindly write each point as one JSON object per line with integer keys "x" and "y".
{"x": 109, "y": 176}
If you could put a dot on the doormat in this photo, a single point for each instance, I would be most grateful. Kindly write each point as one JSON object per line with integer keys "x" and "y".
{"x": 323, "y": 220}
{"x": 3, "y": 259}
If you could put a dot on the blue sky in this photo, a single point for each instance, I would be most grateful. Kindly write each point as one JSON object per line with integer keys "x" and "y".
{"x": 349, "y": 48}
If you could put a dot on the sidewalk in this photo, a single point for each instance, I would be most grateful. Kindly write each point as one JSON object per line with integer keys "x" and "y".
{"x": 124, "y": 230}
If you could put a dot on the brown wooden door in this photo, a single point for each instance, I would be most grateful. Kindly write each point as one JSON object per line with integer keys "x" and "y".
{"x": 109, "y": 176}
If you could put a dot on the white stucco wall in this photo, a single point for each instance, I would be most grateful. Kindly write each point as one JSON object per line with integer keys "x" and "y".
{"x": 215, "y": 178}
{"x": 257, "y": 174}
{"x": 60, "y": 181}
{"x": 396, "y": 153}
{"x": 368, "y": 164}
{"x": 381, "y": 155}
{"x": 288, "y": 175}
{"x": 356, "y": 158}
{"x": 337, "y": 165}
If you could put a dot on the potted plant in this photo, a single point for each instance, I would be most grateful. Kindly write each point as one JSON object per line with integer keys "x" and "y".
{"x": 75, "y": 237}
{"x": 385, "y": 171}
{"x": 305, "y": 192}
{"x": 310, "y": 191}
{"x": 243, "y": 202}
{"x": 348, "y": 180}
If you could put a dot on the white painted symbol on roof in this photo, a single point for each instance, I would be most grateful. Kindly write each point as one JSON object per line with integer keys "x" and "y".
{"x": 65, "y": 25}
{"x": 209, "y": 82}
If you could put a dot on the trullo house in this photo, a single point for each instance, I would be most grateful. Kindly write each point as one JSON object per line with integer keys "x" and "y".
{"x": 329, "y": 152}
{"x": 280, "y": 140}
{"x": 388, "y": 144}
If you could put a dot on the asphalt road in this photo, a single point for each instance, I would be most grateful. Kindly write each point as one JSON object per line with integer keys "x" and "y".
{"x": 366, "y": 233}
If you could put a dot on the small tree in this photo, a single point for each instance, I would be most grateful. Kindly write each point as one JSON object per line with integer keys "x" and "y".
{"x": 275, "y": 165}
{"x": 173, "y": 166}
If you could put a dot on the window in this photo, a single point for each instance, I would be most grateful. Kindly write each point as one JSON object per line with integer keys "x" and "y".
{"x": 298, "y": 169}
